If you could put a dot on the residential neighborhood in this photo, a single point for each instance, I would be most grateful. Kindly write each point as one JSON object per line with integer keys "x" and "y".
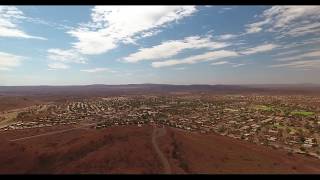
{"x": 278, "y": 121}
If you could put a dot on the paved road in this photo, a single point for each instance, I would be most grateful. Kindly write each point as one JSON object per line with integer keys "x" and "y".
{"x": 158, "y": 132}
{"x": 51, "y": 133}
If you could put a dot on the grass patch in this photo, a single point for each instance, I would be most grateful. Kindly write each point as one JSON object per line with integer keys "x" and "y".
{"x": 302, "y": 113}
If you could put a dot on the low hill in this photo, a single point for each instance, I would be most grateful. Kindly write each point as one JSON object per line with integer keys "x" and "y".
{"x": 130, "y": 150}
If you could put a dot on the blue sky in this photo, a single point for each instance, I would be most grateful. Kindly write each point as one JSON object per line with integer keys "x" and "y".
{"x": 71, "y": 45}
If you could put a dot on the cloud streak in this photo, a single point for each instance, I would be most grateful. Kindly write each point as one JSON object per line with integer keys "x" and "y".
{"x": 312, "y": 54}
{"x": 96, "y": 70}
{"x": 219, "y": 63}
{"x": 111, "y": 25}
{"x": 57, "y": 66}
{"x": 227, "y": 36}
{"x": 259, "y": 49}
{"x": 288, "y": 21}
{"x": 208, "y": 56}
{"x": 173, "y": 47}
{"x": 9, "y": 61}
{"x": 299, "y": 64}
{"x": 9, "y": 16}
{"x": 66, "y": 56}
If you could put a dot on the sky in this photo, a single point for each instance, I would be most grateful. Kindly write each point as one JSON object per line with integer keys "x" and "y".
{"x": 81, "y": 45}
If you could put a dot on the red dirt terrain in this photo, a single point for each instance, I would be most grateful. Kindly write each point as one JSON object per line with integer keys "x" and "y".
{"x": 130, "y": 150}
{"x": 15, "y": 102}
{"x": 199, "y": 153}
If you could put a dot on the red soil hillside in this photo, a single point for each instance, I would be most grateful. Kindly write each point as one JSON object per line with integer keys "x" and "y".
{"x": 198, "y": 153}
{"x": 130, "y": 150}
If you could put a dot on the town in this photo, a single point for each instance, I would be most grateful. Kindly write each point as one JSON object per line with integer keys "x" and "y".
{"x": 291, "y": 123}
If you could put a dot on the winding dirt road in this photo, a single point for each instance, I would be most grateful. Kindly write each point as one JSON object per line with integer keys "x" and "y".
{"x": 158, "y": 132}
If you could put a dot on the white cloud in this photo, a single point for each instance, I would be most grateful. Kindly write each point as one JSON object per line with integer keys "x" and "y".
{"x": 258, "y": 49}
{"x": 219, "y": 63}
{"x": 173, "y": 47}
{"x": 288, "y": 20}
{"x": 9, "y": 61}
{"x": 95, "y": 70}
{"x": 60, "y": 58}
{"x": 179, "y": 68}
{"x": 222, "y": 10}
{"x": 9, "y": 16}
{"x": 284, "y": 15}
{"x": 307, "y": 60}
{"x": 302, "y": 29}
{"x": 256, "y": 27}
{"x": 66, "y": 56}
{"x": 314, "y": 41}
{"x": 59, "y": 26}
{"x": 90, "y": 42}
{"x": 167, "y": 63}
{"x": 312, "y": 54}
{"x": 227, "y": 36}
{"x": 57, "y": 65}
{"x": 4, "y": 69}
{"x": 111, "y": 25}
{"x": 151, "y": 53}
{"x": 238, "y": 65}
{"x": 288, "y": 52}
{"x": 226, "y": 62}
{"x": 300, "y": 64}
{"x": 149, "y": 33}
{"x": 10, "y": 32}
{"x": 208, "y": 56}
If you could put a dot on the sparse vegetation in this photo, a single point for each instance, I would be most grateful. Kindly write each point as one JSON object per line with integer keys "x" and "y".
{"x": 264, "y": 108}
{"x": 302, "y": 113}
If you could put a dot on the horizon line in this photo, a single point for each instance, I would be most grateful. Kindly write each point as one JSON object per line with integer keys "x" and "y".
{"x": 318, "y": 84}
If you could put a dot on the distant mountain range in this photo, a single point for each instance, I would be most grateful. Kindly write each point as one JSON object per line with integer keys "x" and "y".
{"x": 101, "y": 89}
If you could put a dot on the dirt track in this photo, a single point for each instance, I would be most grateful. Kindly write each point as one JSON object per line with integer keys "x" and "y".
{"x": 46, "y": 134}
{"x": 54, "y": 132}
{"x": 158, "y": 132}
